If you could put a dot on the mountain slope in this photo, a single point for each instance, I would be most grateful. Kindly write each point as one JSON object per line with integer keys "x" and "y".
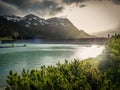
{"x": 32, "y": 26}
{"x": 9, "y": 28}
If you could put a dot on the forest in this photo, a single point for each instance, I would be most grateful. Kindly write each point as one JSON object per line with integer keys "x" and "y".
{"x": 100, "y": 73}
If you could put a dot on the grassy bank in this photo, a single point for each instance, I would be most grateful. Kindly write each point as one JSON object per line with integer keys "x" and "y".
{"x": 101, "y": 73}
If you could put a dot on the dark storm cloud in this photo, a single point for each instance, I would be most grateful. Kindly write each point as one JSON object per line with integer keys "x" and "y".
{"x": 40, "y": 7}
{"x": 47, "y": 8}
{"x": 19, "y": 3}
{"x": 7, "y": 9}
{"x": 116, "y": 2}
{"x": 49, "y": 5}
{"x": 73, "y": 1}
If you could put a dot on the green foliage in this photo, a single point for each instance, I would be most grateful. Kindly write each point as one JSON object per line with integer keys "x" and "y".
{"x": 74, "y": 75}
{"x": 111, "y": 62}
{"x": 111, "y": 57}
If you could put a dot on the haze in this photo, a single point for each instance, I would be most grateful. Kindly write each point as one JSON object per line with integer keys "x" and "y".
{"x": 95, "y": 17}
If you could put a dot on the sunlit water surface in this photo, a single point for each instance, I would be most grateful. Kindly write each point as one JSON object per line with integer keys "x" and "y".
{"x": 35, "y": 55}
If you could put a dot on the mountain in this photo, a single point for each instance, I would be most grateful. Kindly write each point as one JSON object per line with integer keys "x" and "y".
{"x": 32, "y": 26}
{"x": 9, "y": 27}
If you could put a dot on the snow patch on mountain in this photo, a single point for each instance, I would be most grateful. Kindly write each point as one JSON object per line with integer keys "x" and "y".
{"x": 12, "y": 18}
{"x": 33, "y": 20}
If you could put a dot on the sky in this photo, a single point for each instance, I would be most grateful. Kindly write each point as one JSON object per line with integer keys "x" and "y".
{"x": 88, "y": 15}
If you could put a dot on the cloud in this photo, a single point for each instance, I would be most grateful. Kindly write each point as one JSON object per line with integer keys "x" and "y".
{"x": 73, "y": 1}
{"x": 8, "y": 9}
{"x": 48, "y": 7}
{"x": 20, "y": 3}
{"x": 116, "y": 2}
{"x": 40, "y": 7}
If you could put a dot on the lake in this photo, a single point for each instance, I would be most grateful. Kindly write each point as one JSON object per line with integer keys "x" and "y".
{"x": 35, "y": 55}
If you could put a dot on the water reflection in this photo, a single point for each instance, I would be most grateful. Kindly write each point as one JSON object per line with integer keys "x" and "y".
{"x": 87, "y": 52}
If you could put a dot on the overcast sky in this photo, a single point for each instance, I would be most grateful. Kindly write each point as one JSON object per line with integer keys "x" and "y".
{"x": 89, "y": 15}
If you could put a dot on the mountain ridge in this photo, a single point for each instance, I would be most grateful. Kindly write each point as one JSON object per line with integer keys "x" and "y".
{"x": 32, "y": 26}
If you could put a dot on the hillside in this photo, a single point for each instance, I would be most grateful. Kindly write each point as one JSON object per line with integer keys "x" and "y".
{"x": 32, "y": 26}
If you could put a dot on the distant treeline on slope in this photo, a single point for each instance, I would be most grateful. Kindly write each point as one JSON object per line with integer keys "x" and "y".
{"x": 101, "y": 73}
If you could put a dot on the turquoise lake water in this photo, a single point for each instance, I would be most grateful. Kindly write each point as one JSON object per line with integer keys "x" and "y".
{"x": 35, "y": 55}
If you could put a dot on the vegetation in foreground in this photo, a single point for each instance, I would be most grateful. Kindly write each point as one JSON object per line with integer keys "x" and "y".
{"x": 91, "y": 74}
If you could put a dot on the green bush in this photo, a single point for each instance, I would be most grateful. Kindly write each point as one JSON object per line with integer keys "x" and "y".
{"x": 75, "y": 75}
{"x": 111, "y": 62}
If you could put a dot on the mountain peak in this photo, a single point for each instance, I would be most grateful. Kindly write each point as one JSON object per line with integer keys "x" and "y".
{"x": 53, "y": 28}
{"x": 31, "y": 15}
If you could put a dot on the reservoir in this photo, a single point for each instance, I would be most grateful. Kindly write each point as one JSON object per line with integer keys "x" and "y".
{"x": 36, "y": 55}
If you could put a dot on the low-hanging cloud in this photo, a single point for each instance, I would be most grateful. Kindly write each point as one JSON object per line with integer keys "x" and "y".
{"x": 40, "y": 7}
